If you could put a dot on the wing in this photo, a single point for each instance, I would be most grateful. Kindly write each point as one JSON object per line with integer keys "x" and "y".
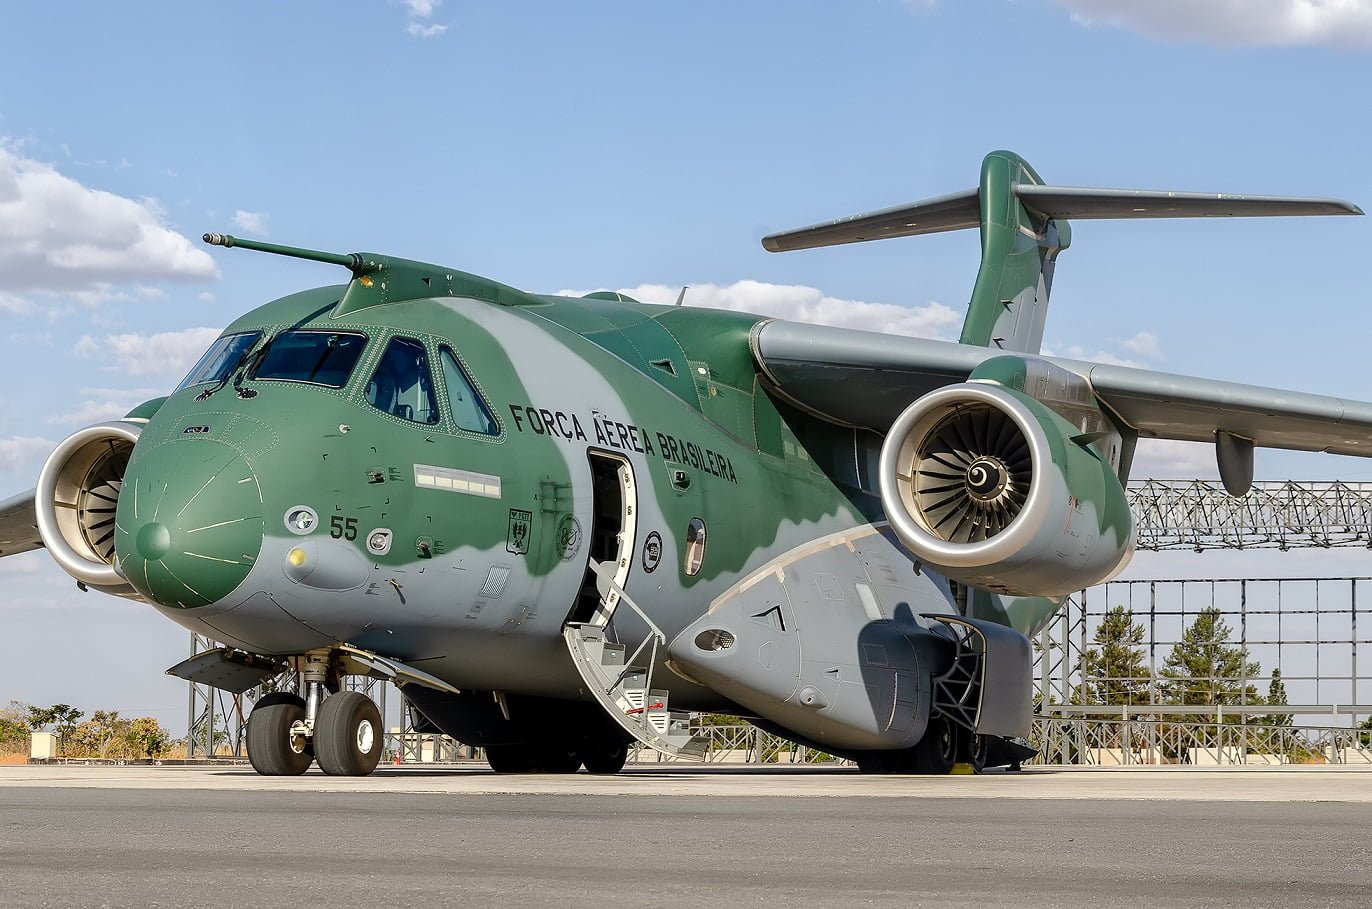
{"x": 19, "y": 525}
{"x": 817, "y": 368}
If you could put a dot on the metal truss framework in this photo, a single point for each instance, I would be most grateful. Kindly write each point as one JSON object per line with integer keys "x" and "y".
{"x": 1312, "y": 630}
{"x": 1200, "y": 515}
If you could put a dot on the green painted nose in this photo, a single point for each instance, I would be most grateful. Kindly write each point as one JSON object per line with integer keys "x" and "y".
{"x": 189, "y": 522}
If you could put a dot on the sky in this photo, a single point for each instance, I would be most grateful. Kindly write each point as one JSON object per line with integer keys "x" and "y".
{"x": 643, "y": 147}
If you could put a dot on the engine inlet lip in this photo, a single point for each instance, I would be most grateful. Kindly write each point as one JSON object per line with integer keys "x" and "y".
{"x": 83, "y": 567}
{"x": 923, "y": 415}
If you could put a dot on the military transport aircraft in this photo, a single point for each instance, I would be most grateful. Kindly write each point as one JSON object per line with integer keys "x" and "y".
{"x": 561, "y": 524}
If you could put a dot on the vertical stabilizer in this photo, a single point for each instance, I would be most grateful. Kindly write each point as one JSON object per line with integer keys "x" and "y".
{"x": 1018, "y": 248}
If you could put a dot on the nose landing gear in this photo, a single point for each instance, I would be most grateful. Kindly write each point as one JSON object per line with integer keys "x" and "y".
{"x": 342, "y": 729}
{"x": 348, "y": 735}
{"x": 273, "y": 748}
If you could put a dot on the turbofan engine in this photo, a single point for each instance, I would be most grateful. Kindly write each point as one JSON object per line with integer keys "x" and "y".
{"x": 78, "y": 490}
{"x": 990, "y": 487}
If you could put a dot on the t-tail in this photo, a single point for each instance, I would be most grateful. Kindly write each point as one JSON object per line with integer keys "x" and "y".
{"x": 1024, "y": 226}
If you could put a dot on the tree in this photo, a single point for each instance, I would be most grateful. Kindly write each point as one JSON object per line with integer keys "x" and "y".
{"x": 14, "y": 734}
{"x": 61, "y": 717}
{"x": 1204, "y": 669}
{"x": 103, "y": 736}
{"x": 1113, "y": 670}
{"x": 1276, "y": 697}
{"x": 147, "y": 737}
{"x": 14, "y": 727}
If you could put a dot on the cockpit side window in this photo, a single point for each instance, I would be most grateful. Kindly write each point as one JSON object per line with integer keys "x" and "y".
{"x": 223, "y": 357}
{"x": 469, "y": 410}
{"x": 318, "y": 357}
{"x": 402, "y": 385}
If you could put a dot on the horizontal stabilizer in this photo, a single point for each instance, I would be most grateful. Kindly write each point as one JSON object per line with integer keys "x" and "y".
{"x": 961, "y": 211}
{"x": 953, "y": 212}
{"x": 1084, "y": 202}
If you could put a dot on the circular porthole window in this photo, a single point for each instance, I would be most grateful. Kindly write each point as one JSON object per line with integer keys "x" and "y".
{"x": 695, "y": 545}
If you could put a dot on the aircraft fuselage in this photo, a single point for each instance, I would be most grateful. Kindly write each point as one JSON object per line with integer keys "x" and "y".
{"x": 305, "y": 514}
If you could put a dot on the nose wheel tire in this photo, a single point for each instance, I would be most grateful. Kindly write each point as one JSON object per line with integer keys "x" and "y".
{"x": 272, "y": 750}
{"x": 347, "y": 734}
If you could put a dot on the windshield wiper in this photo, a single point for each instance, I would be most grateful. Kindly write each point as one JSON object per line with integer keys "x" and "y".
{"x": 238, "y": 388}
{"x": 224, "y": 378}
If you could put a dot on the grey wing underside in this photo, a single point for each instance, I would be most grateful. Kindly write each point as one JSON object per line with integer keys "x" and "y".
{"x": 19, "y": 525}
{"x": 866, "y": 379}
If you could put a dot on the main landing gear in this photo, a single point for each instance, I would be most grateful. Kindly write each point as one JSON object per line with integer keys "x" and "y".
{"x": 339, "y": 729}
{"x": 944, "y": 745}
{"x": 599, "y": 757}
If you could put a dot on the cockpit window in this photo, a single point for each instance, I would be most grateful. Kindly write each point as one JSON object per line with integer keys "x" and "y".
{"x": 402, "y": 385}
{"x": 469, "y": 410}
{"x": 221, "y": 359}
{"x": 319, "y": 357}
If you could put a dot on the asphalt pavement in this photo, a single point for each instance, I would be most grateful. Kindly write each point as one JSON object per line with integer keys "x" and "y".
{"x": 201, "y": 843}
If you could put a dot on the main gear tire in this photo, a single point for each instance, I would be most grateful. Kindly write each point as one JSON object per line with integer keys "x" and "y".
{"x": 972, "y": 749}
{"x": 605, "y": 758}
{"x": 272, "y": 749}
{"x": 511, "y": 758}
{"x": 937, "y": 751}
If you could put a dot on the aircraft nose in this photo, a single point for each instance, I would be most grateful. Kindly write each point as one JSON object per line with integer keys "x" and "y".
{"x": 189, "y": 522}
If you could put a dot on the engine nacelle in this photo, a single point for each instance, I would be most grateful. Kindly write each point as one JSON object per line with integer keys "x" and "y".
{"x": 990, "y": 487}
{"x": 78, "y": 490}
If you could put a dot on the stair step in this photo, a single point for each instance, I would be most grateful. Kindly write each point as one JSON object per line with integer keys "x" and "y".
{"x": 624, "y": 693}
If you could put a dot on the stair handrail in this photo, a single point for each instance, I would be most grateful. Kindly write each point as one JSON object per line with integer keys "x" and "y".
{"x": 607, "y": 584}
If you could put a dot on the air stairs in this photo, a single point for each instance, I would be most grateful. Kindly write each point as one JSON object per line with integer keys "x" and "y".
{"x": 622, "y": 681}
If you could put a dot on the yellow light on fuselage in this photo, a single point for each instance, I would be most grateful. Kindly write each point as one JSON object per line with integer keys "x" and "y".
{"x": 296, "y": 557}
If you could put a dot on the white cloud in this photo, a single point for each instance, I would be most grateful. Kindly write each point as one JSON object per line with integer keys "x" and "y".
{"x": 805, "y": 304}
{"x": 416, "y": 30}
{"x": 419, "y": 10}
{"x": 1145, "y": 344}
{"x": 1168, "y": 459}
{"x": 15, "y": 305}
{"x": 58, "y": 235}
{"x": 1078, "y": 352}
{"x": 164, "y": 353}
{"x": 101, "y": 404}
{"x": 254, "y": 222}
{"x": 23, "y": 451}
{"x": 1235, "y": 22}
